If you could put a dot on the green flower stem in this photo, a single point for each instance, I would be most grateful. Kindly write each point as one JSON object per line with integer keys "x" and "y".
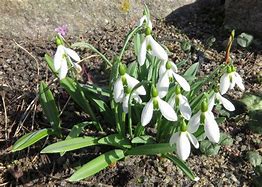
{"x": 130, "y": 128}
{"x": 123, "y": 124}
{"x": 115, "y": 107}
{"x": 129, "y": 36}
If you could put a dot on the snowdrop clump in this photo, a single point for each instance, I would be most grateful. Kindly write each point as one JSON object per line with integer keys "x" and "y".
{"x": 150, "y": 92}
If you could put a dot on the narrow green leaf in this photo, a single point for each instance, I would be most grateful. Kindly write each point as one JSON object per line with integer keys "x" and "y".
{"x": 151, "y": 149}
{"x": 179, "y": 163}
{"x": 76, "y": 131}
{"x": 132, "y": 69}
{"x": 77, "y": 94}
{"x": 92, "y": 48}
{"x": 49, "y": 107}
{"x": 192, "y": 70}
{"x": 30, "y": 138}
{"x": 50, "y": 63}
{"x": 115, "y": 140}
{"x": 93, "y": 89}
{"x": 143, "y": 139}
{"x": 97, "y": 164}
{"x": 70, "y": 144}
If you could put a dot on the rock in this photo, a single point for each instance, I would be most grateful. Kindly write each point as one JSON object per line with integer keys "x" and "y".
{"x": 244, "y": 16}
{"x": 33, "y": 19}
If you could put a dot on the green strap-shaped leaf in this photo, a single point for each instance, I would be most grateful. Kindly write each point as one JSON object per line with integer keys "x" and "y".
{"x": 50, "y": 63}
{"x": 151, "y": 149}
{"x": 92, "y": 48}
{"x": 115, "y": 140}
{"x": 182, "y": 166}
{"x": 143, "y": 139}
{"x": 70, "y": 144}
{"x": 190, "y": 73}
{"x": 77, "y": 94}
{"x": 49, "y": 107}
{"x": 30, "y": 138}
{"x": 97, "y": 164}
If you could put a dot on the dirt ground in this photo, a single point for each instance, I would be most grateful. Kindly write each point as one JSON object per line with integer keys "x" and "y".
{"x": 22, "y": 66}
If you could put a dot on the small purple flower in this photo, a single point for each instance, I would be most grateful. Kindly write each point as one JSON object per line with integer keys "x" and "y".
{"x": 62, "y": 30}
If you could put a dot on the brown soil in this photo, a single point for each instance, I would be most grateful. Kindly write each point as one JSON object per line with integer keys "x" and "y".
{"x": 20, "y": 73}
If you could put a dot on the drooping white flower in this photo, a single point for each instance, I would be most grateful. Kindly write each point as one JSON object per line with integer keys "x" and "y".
{"x": 229, "y": 80}
{"x": 182, "y": 140}
{"x": 145, "y": 19}
{"x": 151, "y": 46}
{"x": 225, "y": 102}
{"x": 157, "y": 103}
{"x": 62, "y": 55}
{"x": 207, "y": 118}
{"x": 182, "y": 103}
{"x": 123, "y": 86}
{"x": 135, "y": 96}
{"x": 168, "y": 71}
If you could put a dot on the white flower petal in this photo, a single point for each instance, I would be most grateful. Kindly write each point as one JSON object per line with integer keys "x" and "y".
{"x": 184, "y": 107}
{"x": 182, "y": 82}
{"x": 63, "y": 69}
{"x": 239, "y": 82}
{"x": 194, "y": 122}
{"x": 226, "y": 103}
{"x": 118, "y": 90}
{"x": 211, "y": 127}
{"x": 141, "y": 20}
{"x": 174, "y": 67}
{"x": 163, "y": 85}
{"x": 174, "y": 138}
{"x": 233, "y": 81}
{"x": 172, "y": 100}
{"x": 136, "y": 97}
{"x": 193, "y": 140}
{"x": 224, "y": 83}
{"x": 142, "y": 52}
{"x": 166, "y": 110}
{"x": 183, "y": 146}
{"x": 162, "y": 69}
{"x": 59, "y": 55}
{"x": 72, "y": 54}
{"x": 132, "y": 82}
{"x": 157, "y": 50}
{"x": 125, "y": 103}
{"x": 211, "y": 101}
{"x": 147, "y": 113}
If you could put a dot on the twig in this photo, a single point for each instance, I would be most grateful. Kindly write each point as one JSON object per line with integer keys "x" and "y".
{"x": 91, "y": 56}
{"x": 65, "y": 106}
{"x": 5, "y": 113}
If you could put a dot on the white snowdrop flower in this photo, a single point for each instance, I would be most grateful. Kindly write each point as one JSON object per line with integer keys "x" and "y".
{"x": 225, "y": 102}
{"x": 177, "y": 99}
{"x": 151, "y": 46}
{"x": 207, "y": 118}
{"x": 230, "y": 79}
{"x": 62, "y": 55}
{"x": 145, "y": 19}
{"x": 168, "y": 71}
{"x": 157, "y": 103}
{"x": 122, "y": 87}
{"x": 182, "y": 140}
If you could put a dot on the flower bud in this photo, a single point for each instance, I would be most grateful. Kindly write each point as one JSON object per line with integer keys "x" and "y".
{"x": 177, "y": 89}
{"x": 202, "y": 118}
{"x": 155, "y": 103}
{"x": 58, "y": 41}
{"x": 154, "y": 91}
{"x": 148, "y": 31}
{"x": 183, "y": 126}
{"x": 122, "y": 69}
{"x": 168, "y": 65}
{"x": 124, "y": 81}
{"x": 127, "y": 90}
{"x": 204, "y": 106}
